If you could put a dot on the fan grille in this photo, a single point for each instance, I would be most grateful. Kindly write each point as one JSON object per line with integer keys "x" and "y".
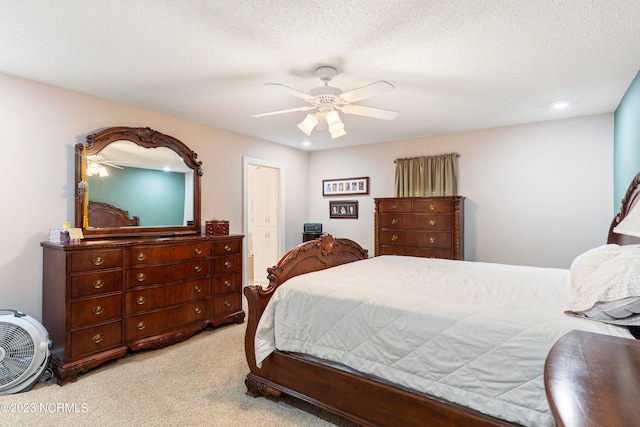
{"x": 17, "y": 351}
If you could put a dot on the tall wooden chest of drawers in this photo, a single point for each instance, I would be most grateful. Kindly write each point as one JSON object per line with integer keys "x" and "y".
{"x": 102, "y": 298}
{"x": 430, "y": 227}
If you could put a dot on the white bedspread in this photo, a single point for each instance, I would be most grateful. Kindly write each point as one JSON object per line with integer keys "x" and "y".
{"x": 472, "y": 333}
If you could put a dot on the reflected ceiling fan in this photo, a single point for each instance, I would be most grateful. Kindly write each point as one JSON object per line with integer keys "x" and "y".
{"x": 96, "y": 165}
{"x": 328, "y": 100}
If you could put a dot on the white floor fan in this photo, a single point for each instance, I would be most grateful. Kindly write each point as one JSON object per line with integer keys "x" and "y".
{"x": 328, "y": 101}
{"x": 25, "y": 350}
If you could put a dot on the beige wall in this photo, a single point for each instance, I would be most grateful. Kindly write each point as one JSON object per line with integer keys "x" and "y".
{"x": 41, "y": 125}
{"x": 536, "y": 194}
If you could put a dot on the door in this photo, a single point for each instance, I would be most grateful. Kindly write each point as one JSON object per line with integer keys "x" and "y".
{"x": 263, "y": 213}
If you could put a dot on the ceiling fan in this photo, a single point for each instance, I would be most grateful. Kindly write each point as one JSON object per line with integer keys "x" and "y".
{"x": 328, "y": 100}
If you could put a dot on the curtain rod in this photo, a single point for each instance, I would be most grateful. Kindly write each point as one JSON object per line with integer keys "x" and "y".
{"x": 427, "y": 157}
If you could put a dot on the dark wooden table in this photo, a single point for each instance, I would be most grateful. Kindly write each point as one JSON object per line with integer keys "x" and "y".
{"x": 594, "y": 380}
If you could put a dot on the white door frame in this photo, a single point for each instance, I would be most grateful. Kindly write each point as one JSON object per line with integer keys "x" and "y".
{"x": 248, "y": 161}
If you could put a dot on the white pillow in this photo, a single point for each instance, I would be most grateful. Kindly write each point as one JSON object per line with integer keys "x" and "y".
{"x": 608, "y": 285}
{"x": 588, "y": 262}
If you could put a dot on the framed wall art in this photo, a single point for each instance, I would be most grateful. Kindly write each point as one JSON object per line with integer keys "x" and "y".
{"x": 343, "y": 209}
{"x": 345, "y": 186}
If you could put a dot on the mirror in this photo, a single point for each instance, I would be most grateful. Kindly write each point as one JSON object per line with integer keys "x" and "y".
{"x": 136, "y": 181}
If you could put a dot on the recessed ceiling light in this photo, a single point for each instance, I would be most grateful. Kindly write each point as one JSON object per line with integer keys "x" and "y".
{"x": 306, "y": 143}
{"x": 560, "y": 103}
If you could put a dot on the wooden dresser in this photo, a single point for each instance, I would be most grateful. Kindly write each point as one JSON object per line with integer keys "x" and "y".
{"x": 102, "y": 298}
{"x": 430, "y": 227}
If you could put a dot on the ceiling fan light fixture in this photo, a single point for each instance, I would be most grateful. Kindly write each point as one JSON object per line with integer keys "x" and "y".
{"x": 334, "y": 122}
{"x": 102, "y": 172}
{"x": 308, "y": 124}
{"x": 338, "y": 133}
{"x": 93, "y": 169}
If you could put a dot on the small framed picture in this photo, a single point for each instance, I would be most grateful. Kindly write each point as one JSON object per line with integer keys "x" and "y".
{"x": 345, "y": 186}
{"x": 343, "y": 209}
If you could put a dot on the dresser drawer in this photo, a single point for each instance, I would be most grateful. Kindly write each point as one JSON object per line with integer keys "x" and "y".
{"x": 165, "y": 320}
{"x": 227, "y": 282}
{"x": 393, "y": 206}
{"x": 417, "y": 252}
{"x": 147, "y": 299}
{"x": 227, "y": 263}
{"x": 95, "y": 283}
{"x": 226, "y": 247}
{"x": 97, "y": 338}
{"x": 94, "y": 310}
{"x": 432, "y": 206}
{"x": 436, "y": 222}
{"x": 153, "y": 275}
{"x": 227, "y": 303}
{"x": 416, "y": 238}
{"x": 160, "y": 254}
{"x": 96, "y": 260}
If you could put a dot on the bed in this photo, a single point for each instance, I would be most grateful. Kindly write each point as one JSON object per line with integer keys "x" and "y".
{"x": 338, "y": 321}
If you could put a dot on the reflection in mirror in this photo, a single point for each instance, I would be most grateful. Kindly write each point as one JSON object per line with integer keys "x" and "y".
{"x": 136, "y": 181}
{"x": 163, "y": 191}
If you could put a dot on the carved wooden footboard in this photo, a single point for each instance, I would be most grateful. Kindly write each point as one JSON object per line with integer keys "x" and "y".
{"x": 353, "y": 397}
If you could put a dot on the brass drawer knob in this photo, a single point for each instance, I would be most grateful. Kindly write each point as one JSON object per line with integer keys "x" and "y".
{"x": 432, "y": 207}
{"x": 97, "y": 339}
{"x": 98, "y": 310}
{"x": 197, "y": 310}
{"x": 394, "y": 237}
{"x": 97, "y": 261}
{"x": 227, "y": 248}
{"x": 432, "y": 222}
{"x": 197, "y": 268}
{"x": 227, "y": 264}
{"x": 432, "y": 239}
{"x": 141, "y": 300}
{"x": 141, "y": 277}
{"x": 98, "y": 284}
{"x": 227, "y": 303}
{"x": 198, "y": 251}
{"x": 141, "y": 325}
{"x": 227, "y": 283}
{"x": 394, "y": 221}
{"x": 198, "y": 289}
{"x": 394, "y": 207}
{"x": 141, "y": 256}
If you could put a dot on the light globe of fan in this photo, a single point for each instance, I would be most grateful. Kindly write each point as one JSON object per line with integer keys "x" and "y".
{"x": 334, "y": 122}
{"x": 308, "y": 124}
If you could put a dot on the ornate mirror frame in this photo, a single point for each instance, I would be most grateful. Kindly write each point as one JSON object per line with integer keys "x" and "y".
{"x": 146, "y": 138}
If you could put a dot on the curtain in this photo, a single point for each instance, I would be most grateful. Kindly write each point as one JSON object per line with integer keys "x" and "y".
{"x": 427, "y": 176}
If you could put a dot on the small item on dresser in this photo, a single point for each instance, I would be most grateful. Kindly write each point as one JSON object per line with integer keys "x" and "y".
{"x": 59, "y": 236}
{"x": 217, "y": 227}
{"x": 76, "y": 235}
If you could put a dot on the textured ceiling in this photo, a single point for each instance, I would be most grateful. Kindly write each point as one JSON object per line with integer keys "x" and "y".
{"x": 456, "y": 65}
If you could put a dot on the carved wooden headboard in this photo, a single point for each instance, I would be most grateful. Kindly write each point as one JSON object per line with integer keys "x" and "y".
{"x": 630, "y": 199}
{"x": 106, "y": 215}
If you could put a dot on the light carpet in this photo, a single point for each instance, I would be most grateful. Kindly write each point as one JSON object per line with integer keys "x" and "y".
{"x": 197, "y": 382}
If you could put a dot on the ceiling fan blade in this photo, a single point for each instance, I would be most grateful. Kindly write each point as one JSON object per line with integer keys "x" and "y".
{"x": 290, "y": 110}
{"x": 376, "y": 113}
{"x": 111, "y": 164}
{"x": 367, "y": 91}
{"x": 294, "y": 92}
